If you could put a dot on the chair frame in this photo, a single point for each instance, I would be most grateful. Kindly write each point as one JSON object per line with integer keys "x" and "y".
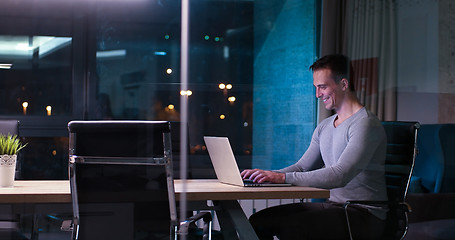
{"x": 404, "y": 205}
{"x": 166, "y": 160}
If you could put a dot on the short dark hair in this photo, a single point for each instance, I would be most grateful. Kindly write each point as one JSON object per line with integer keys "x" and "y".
{"x": 338, "y": 65}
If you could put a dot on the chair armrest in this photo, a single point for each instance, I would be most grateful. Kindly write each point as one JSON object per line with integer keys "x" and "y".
{"x": 206, "y": 218}
{"x": 390, "y": 204}
{"x": 397, "y": 211}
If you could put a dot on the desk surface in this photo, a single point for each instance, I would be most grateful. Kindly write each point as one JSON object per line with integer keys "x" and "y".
{"x": 58, "y": 191}
{"x": 201, "y": 189}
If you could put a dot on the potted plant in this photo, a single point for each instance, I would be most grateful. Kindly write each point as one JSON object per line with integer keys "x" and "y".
{"x": 10, "y": 145}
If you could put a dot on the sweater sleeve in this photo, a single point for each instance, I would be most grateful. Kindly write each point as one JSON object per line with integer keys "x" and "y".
{"x": 363, "y": 139}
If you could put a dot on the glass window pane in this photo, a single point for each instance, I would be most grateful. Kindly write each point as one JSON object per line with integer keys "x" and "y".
{"x": 43, "y": 158}
{"x": 246, "y": 59}
{"x": 137, "y": 60}
{"x": 36, "y": 73}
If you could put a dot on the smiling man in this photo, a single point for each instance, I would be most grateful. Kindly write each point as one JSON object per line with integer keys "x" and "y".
{"x": 346, "y": 155}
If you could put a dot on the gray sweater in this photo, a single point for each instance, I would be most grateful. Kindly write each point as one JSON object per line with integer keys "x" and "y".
{"x": 348, "y": 160}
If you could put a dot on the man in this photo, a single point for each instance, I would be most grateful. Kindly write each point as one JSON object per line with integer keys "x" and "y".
{"x": 346, "y": 155}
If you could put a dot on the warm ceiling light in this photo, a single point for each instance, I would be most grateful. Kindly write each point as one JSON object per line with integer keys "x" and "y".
{"x": 169, "y": 71}
{"x": 24, "y": 107}
{"x": 229, "y": 86}
{"x": 186, "y": 92}
{"x": 222, "y": 86}
{"x": 222, "y": 116}
{"x": 49, "y": 110}
{"x": 171, "y": 107}
{"x": 231, "y": 99}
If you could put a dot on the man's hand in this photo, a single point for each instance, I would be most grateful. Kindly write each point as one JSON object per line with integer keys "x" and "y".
{"x": 260, "y": 176}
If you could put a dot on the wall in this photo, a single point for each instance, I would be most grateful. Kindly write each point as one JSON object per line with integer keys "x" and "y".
{"x": 426, "y": 61}
{"x": 446, "y": 61}
{"x": 417, "y": 60}
{"x": 284, "y": 104}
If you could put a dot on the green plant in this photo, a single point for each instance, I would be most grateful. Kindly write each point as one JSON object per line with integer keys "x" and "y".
{"x": 10, "y": 144}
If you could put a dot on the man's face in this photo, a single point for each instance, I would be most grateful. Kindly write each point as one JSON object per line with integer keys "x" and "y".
{"x": 330, "y": 92}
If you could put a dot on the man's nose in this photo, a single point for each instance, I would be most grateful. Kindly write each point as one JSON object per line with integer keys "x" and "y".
{"x": 318, "y": 93}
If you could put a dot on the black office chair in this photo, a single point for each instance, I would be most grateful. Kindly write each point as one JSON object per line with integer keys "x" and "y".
{"x": 121, "y": 182}
{"x": 399, "y": 164}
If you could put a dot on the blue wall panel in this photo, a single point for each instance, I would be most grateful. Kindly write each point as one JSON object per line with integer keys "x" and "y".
{"x": 284, "y": 107}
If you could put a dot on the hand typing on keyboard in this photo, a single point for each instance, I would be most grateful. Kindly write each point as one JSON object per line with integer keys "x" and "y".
{"x": 262, "y": 176}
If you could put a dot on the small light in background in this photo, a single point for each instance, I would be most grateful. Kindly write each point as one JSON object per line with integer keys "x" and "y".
{"x": 245, "y": 124}
{"x": 170, "y": 107}
{"x": 222, "y": 116}
{"x": 111, "y": 54}
{"x": 5, "y": 65}
{"x": 49, "y": 110}
{"x": 231, "y": 99}
{"x": 24, "y": 107}
{"x": 166, "y": 36}
{"x": 217, "y": 39}
{"x": 229, "y": 86}
{"x": 226, "y": 52}
{"x": 54, "y": 152}
{"x": 222, "y": 86}
{"x": 169, "y": 71}
{"x": 186, "y": 92}
{"x": 206, "y": 37}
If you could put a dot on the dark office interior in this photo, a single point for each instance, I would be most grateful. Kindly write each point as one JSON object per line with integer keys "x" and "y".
{"x": 65, "y": 60}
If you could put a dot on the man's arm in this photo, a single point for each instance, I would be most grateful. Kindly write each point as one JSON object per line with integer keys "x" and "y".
{"x": 310, "y": 160}
{"x": 365, "y": 140}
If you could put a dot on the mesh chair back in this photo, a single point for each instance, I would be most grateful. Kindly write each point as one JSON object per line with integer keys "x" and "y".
{"x": 121, "y": 179}
{"x": 136, "y": 139}
{"x": 9, "y": 127}
{"x": 399, "y": 164}
{"x": 401, "y": 153}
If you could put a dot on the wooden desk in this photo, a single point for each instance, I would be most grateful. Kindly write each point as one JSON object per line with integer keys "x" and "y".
{"x": 230, "y": 214}
{"x": 211, "y": 189}
{"x": 58, "y": 191}
{"x": 37, "y": 192}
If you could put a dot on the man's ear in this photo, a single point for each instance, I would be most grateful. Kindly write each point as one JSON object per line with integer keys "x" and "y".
{"x": 344, "y": 84}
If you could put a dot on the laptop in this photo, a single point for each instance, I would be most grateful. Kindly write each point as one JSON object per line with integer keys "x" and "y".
{"x": 225, "y": 166}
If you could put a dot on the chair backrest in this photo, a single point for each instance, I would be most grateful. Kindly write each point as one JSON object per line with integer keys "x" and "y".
{"x": 447, "y": 136}
{"x": 435, "y": 165}
{"x": 121, "y": 179}
{"x": 400, "y": 158}
{"x": 429, "y": 166}
{"x": 9, "y": 127}
{"x": 399, "y": 164}
{"x": 177, "y": 151}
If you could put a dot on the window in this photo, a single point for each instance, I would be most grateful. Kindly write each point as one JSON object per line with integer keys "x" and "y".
{"x": 248, "y": 76}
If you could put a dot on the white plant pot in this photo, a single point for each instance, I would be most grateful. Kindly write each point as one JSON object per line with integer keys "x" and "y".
{"x": 7, "y": 170}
